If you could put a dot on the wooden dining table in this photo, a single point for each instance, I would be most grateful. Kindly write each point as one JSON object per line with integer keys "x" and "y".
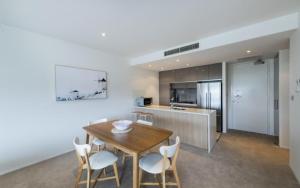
{"x": 139, "y": 140}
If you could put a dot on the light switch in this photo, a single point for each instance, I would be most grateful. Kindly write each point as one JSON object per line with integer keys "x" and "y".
{"x": 292, "y": 98}
{"x": 298, "y": 86}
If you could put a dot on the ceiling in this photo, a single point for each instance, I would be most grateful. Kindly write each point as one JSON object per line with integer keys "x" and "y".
{"x": 264, "y": 47}
{"x": 135, "y": 27}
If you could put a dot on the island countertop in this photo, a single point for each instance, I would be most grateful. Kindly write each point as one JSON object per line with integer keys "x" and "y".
{"x": 186, "y": 110}
{"x": 194, "y": 126}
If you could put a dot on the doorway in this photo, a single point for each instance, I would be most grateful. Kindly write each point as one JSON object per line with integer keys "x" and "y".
{"x": 250, "y": 96}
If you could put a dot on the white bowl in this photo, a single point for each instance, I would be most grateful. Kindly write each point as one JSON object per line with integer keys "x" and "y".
{"x": 122, "y": 124}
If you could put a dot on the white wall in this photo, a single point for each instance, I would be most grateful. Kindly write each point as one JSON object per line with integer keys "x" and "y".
{"x": 284, "y": 98}
{"x": 295, "y": 103}
{"x": 33, "y": 125}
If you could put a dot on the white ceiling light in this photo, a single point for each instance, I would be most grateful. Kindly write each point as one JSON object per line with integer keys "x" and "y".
{"x": 102, "y": 34}
{"x": 248, "y": 51}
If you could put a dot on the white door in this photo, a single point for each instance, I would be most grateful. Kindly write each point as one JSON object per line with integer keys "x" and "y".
{"x": 249, "y": 97}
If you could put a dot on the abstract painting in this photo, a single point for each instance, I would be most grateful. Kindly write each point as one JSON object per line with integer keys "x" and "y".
{"x": 79, "y": 84}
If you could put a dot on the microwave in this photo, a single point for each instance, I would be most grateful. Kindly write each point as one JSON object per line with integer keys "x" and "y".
{"x": 143, "y": 101}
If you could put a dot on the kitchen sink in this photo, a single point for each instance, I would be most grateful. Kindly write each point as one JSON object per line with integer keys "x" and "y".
{"x": 178, "y": 108}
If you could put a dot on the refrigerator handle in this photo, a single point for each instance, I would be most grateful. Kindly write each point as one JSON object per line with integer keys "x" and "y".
{"x": 198, "y": 99}
{"x": 206, "y": 100}
{"x": 209, "y": 100}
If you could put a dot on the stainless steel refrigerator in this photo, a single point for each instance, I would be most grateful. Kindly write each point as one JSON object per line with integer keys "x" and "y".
{"x": 209, "y": 96}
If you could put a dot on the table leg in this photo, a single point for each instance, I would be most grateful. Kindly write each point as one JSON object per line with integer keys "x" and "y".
{"x": 87, "y": 138}
{"x": 135, "y": 183}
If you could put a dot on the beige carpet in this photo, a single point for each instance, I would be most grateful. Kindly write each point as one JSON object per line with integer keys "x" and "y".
{"x": 238, "y": 160}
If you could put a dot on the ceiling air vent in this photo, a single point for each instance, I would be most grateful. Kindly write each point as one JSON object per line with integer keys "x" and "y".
{"x": 182, "y": 49}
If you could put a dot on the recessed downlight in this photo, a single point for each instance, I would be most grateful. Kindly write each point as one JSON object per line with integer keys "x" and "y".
{"x": 103, "y": 34}
{"x": 248, "y": 51}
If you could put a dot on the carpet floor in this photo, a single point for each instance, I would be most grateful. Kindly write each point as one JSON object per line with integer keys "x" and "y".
{"x": 239, "y": 160}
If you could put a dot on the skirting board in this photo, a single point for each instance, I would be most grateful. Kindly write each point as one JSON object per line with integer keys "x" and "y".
{"x": 36, "y": 162}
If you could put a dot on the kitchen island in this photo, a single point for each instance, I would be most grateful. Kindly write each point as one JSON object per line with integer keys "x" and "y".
{"x": 196, "y": 127}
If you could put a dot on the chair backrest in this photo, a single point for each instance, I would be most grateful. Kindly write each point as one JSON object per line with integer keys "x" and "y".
{"x": 171, "y": 151}
{"x": 144, "y": 122}
{"x": 103, "y": 120}
{"x": 81, "y": 149}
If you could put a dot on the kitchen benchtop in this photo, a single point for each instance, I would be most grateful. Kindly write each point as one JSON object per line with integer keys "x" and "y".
{"x": 187, "y": 110}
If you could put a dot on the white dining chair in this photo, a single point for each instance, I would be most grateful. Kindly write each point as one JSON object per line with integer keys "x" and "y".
{"x": 144, "y": 122}
{"x": 95, "y": 141}
{"x": 93, "y": 162}
{"x": 159, "y": 163}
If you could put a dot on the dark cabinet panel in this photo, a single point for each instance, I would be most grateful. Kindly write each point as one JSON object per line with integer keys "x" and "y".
{"x": 166, "y": 76}
{"x": 201, "y": 72}
{"x": 215, "y": 71}
{"x": 182, "y": 75}
{"x": 164, "y": 94}
{"x": 193, "y": 74}
{"x": 184, "y": 85}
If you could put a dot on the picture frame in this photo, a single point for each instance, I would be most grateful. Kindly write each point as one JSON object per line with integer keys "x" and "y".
{"x": 74, "y": 83}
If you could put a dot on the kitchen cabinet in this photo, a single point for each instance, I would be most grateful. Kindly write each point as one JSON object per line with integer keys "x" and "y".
{"x": 166, "y": 77}
{"x": 186, "y": 85}
{"x": 215, "y": 71}
{"x": 191, "y": 74}
{"x": 206, "y": 72}
{"x": 201, "y": 73}
{"x": 182, "y": 75}
{"x": 194, "y": 126}
{"x": 194, "y": 74}
{"x": 164, "y": 94}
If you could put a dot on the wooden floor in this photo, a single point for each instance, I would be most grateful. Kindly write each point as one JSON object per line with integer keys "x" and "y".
{"x": 238, "y": 160}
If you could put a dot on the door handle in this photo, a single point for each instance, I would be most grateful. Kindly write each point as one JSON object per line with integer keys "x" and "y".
{"x": 276, "y": 104}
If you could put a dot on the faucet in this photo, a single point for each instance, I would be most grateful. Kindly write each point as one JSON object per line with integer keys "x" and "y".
{"x": 172, "y": 103}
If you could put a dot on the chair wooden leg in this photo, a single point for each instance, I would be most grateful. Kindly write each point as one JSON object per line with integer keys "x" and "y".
{"x": 123, "y": 159}
{"x": 87, "y": 139}
{"x": 97, "y": 178}
{"x": 115, "y": 151}
{"x": 116, "y": 174}
{"x": 176, "y": 177}
{"x": 88, "y": 181}
{"x": 104, "y": 172}
{"x": 92, "y": 146}
{"x": 163, "y": 175}
{"x": 79, "y": 173}
{"x": 140, "y": 176}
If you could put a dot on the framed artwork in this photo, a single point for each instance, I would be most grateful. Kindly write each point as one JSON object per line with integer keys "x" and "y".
{"x": 73, "y": 83}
